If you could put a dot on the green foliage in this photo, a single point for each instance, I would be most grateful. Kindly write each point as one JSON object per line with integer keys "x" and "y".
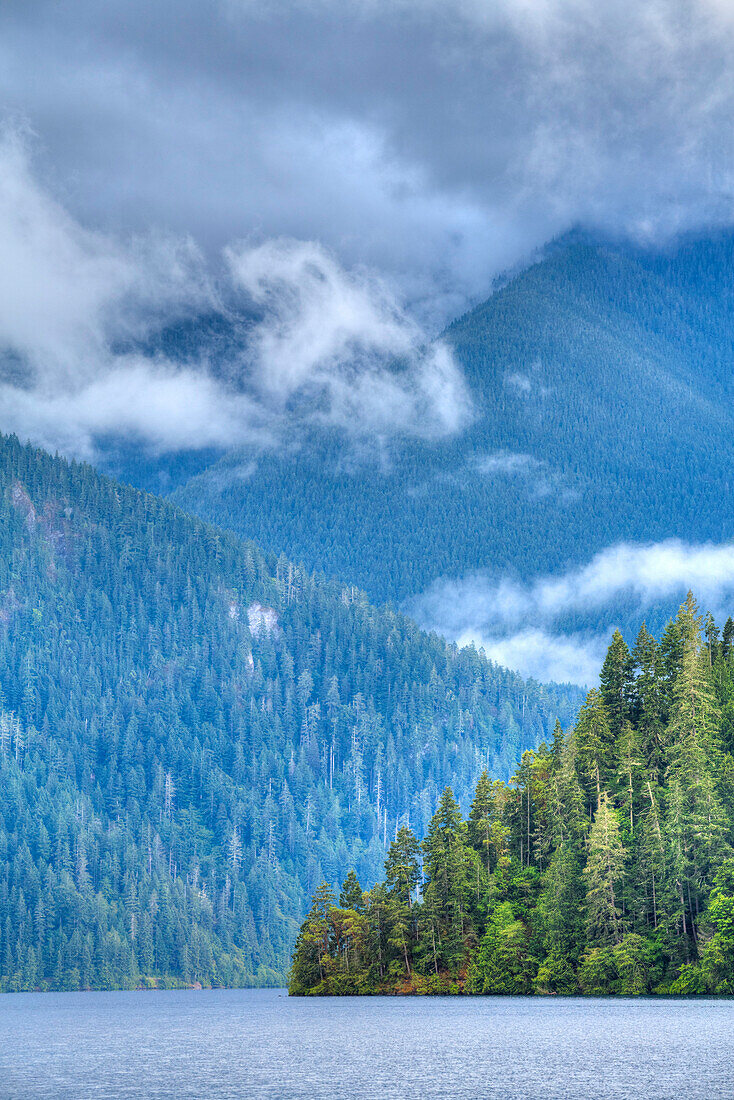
{"x": 615, "y": 679}
{"x": 715, "y": 971}
{"x": 605, "y": 865}
{"x": 351, "y": 896}
{"x": 447, "y": 872}
{"x": 603, "y": 871}
{"x": 502, "y": 964}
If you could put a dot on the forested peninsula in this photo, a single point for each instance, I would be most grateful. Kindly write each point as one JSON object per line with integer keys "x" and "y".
{"x": 605, "y": 866}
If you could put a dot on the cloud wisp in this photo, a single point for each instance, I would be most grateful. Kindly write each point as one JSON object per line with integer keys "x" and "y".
{"x": 523, "y": 625}
{"x": 343, "y": 339}
{"x": 561, "y": 658}
{"x": 506, "y": 463}
{"x": 327, "y": 339}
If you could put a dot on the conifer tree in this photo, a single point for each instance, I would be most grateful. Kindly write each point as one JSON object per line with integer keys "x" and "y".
{"x": 402, "y": 866}
{"x": 603, "y": 873}
{"x": 654, "y": 899}
{"x": 557, "y": 746}
{"x": 351, "y": 896}
{"x": 402, "y": 873}
{"x": 670, "y": 650}
{"x": 193, "y": 733}
{"x": 446, "y": 870}
{"x": 649, "y": 702}
{"x": 639, "y": 899}
{"x": 568, "y": 817}
{"x": 712, "y": 638}
{"x": 481, "y": 817}
{"x": 630, "y": 772}
{"x": 698, "y": 825}
{"x": 727, "y": 635}
{"x": 593, "y": 748}
{"x": 311, "y": 953}
{"x": 616, "y": 684}
{"x": 561, "y": 906}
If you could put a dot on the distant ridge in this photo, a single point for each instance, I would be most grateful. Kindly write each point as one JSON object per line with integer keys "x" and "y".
{"x": 606, "y": 369}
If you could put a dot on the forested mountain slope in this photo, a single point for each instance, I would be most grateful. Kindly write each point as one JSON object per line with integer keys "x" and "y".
{"x": 602, "y": 384}
{"x": 193, "y": 734}
{"x": 606, "y": 866}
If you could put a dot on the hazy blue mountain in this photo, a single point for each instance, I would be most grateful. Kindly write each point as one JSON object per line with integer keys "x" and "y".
{"x": 602, "y": 384}
{"x": 193, "y": 734}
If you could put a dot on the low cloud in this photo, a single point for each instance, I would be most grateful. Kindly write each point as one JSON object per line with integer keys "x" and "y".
{"x": 343, "y": 339}
{"x": 506, "y": 463}
{"x": 574, "y": 659}
{"x": 153, "y": 402}
{"x": 519, "y": 382}
{"x": 523, "y": 625}
{"x": 530, "y": 475}
{"x": 333, "y": 343}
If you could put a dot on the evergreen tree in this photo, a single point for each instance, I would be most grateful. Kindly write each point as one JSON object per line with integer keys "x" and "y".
{"x": 481, "y": 818}
{"x": 561, "y": 908}
{"x": 698, "y": 825}
{"x": 649, "y": 702}
{"x": 630, "y": 775}
{"x": 402, "y": 872}
{"x": 726, "y": 640}
{"x": 594, "y": 745}
{"x": 447, "y": 878}
{"x": 351, "y": 896}
{"x": 402, "y": 866}
{"x": 603, "y": 872}
{"x": 529, "y": 895}
{"x": 194, "y": 733}
{"x": 616, "y": 684}
{"x": 311, "y": 953}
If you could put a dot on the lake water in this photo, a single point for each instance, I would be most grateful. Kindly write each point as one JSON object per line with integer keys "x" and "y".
{"x": 260, "y": 1043}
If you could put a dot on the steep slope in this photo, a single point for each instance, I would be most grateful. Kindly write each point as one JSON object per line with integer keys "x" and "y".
{"x": 602, "y": 383}
{"x": 193, "y": 734}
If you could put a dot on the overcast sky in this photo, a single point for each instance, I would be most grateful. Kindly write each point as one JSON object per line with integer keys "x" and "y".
{"x": 436, "y": 140}
{"x": 359, "y": 170}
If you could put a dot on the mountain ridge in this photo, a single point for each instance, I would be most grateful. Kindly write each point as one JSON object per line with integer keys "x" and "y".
{"x": 202, "y": 731}
{"x": 601, "y": 378}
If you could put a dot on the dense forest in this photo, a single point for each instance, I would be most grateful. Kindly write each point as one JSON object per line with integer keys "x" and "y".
{"x": 193, "y": 734}
{"x": 604, "y": 369}
{"x": 605, "y": 866}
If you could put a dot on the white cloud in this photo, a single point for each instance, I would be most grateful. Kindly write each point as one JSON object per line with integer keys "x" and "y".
{"x": 70, "y": 298}
{"x": 647, "y": 572}
{"x": 441, "y": 140}
{"x": 66, "y": 290}
{"x": 67, "y": 295}
{"x": 519, "y": 382}
{"x": 337, "y": 335}
{"x": 506, "y": 463}
{"x": 135, "y": 399}
{"x": 518, "y": 623}
{"x": 574, "y": 659}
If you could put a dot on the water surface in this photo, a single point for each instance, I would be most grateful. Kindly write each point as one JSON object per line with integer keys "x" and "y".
{"x": 260, "y": 1043}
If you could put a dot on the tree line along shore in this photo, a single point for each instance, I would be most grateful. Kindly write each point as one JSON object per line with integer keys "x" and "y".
{"x": 605, "y": 865}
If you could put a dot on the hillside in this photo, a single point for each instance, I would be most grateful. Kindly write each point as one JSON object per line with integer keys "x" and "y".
{"x": 602, "y": 381}
{"x": 193, "y": 734}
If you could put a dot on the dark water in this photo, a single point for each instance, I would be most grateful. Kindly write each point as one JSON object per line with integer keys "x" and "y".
{"x": 259, "y": 1043}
